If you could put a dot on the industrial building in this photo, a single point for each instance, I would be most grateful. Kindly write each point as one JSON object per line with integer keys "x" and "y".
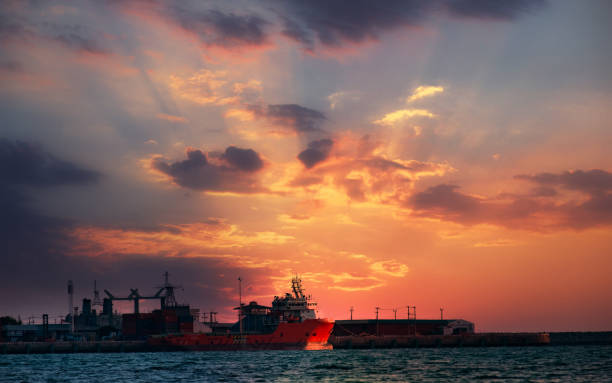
{"x": 96, "y": 319}
{"x": 34, "y": 332}
{"x": 382, "y": 327}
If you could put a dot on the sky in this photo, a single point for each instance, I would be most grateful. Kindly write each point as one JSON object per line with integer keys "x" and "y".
{"x": 446, "y": 154}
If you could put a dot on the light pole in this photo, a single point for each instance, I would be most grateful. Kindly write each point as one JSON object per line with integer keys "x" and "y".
{"x": 377, "y": 331}
{"x": 240, "y": 306}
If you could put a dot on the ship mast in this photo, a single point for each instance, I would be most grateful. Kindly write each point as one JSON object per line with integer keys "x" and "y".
{"x": 296, "y": 285}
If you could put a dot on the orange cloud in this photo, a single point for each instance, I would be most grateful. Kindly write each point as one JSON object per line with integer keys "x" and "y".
{"x": 349, "y": 282}
{"x": 424, "y": 91}
{"x": 399, "y": 116}
{"x": 242, "y": 115}
{"x": 362, "y": 170}
{"x": 171, "y": 118}
{"x": 211, "y": 239}
{"x": 203, "y": 87}
{"x": 390, "y": 268}
{"x": 208, "y": 87}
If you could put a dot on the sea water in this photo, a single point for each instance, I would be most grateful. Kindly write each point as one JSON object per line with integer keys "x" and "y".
{"x": 494, "y": 364}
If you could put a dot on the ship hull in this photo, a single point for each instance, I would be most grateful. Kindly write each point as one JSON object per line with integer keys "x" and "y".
{"x": 311, "y": 334}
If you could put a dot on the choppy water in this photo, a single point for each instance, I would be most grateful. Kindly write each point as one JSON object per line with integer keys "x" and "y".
{"x": 499, "y": 364}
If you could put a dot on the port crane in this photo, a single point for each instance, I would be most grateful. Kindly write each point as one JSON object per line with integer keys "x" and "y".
{"x": 136, "y": 297}
{"x": 167, "y": 299}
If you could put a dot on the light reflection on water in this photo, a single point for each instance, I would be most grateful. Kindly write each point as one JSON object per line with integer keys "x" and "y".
{"x": 507, "y": 364}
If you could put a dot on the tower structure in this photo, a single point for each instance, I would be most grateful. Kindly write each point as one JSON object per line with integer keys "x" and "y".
{"x": 97, "y": 301}
{"x": 70, "y": 306}
{"x": 169, "y": 300}
{"x": 240, "y": 305}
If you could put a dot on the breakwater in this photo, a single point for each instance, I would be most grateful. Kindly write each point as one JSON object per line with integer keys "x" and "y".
{"x": 466, "y": 340}
{"x": 581, "y": 338}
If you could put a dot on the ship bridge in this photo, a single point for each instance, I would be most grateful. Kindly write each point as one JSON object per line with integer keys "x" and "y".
{"x": 296, "y": 307}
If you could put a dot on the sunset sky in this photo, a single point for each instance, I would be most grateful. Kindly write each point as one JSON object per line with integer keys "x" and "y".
{"x": 445, "y": 153}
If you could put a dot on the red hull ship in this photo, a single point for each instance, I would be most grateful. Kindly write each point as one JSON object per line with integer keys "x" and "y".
{"x": 289, "y": 324}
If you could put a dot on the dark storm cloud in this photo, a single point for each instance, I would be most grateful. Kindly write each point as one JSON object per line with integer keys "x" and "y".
{"x": 302, "y": 119}
{"x": 294, "y": 31}
{"x": 497, "y": 10}
{"x": 13, "y": 27}
{"x": 596, "y": 183}
{"x": 447, "y": 201}
{"x": 596, "y": 211}
{"x": 541, "y": 209}
{"x": 335, "y": 22}
{"x": 317, "y": 151}
{"x": 33, "y": 243}
{"x": 543, "y": 191}
{"x": 37, "y": 259}
{"x": 331, "y": 23}
{"x": 16, "y": 28}
{"x": 11, "y": 66}
{"x": 39, "y": 253}
{"x": 214, "y": 27}
{"x": 26, "y": 166}
{"x": 590, "y": 181}
{"x": 75, "y": 38}
{"x": 22, "y": 163}
{"x": 232, "y": 171}
{"x": 22, "y": 228}
{"x": 243, "y": 159}
{"x": 296, "y": 117}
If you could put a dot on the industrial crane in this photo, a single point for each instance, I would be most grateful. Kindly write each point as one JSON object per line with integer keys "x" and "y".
{"x": 166, "y": 299}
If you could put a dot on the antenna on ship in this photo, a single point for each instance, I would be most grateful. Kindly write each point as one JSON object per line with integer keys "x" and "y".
{"x": 296, "y": 286}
